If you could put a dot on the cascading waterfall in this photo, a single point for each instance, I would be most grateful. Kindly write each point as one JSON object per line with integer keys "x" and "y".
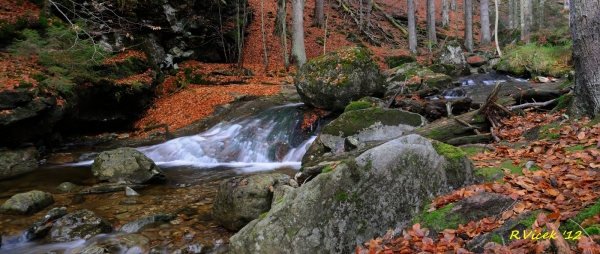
{"x": 265, "y": 140}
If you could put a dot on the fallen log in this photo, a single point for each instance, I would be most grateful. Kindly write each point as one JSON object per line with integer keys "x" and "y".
{"x": 473, "y": 139}
{"x": 447, "y": 129}
{"x": 536, "y": 95}
{"x": 532, "y": 104}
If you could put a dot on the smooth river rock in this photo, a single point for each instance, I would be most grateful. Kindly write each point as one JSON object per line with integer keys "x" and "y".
{"x": 126, "y": 164}
{"x": 27, "y": 203}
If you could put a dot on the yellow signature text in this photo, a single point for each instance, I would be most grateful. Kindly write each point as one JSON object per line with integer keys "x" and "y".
{"x": 532, "y": 235}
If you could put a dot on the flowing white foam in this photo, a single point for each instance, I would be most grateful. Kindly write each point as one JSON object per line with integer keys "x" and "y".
{"x": 257, "y": 142}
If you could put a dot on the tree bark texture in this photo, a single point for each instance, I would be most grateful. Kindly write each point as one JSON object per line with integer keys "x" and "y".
{"x": 484, "y": 8}
{"x": 526, "y": 13}
{"x": 445, "y": 12}
{"x": 319, "y": 13}
{"x": 585, "y": 31}
{"x": 298, "y": 49}
{"x": 468, "y": 25}
{"x": 412, "y": 31}
{"x": 431, "y": 36}
{"x": 512, "y": 5}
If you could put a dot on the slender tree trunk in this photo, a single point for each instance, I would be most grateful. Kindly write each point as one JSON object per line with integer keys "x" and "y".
{"x": 511, "y": 5}
{"x": 445, "y": 13}
{"x": 496, "y": 29}
{"x": 264, "y": 39}
{"x": 566, "y": 4}
{"x": 485, "y": 22}
{"x": 431, "y": 36}
{"x": 368, "y": 10}
{"x": 585, "y": 28}
{"x": 526, "y": 11}
{"x": 319, "y": 13}
{"x": 540, "y": 14}
{"x": 469, "y": 25}
{"x": 412, "y": 31}
{"x": 298, "y": 49}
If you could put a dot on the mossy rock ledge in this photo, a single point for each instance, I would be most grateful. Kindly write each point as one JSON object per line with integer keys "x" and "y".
{"x": 362, "y": 197}
{"x": 333, "y": 80}
{"x": 356, "y": 128}
{"x": 414, "y": 74}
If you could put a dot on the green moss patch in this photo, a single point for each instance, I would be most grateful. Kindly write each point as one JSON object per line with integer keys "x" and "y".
{"x": 358, "y": 105}
{"x": 352, "y": 122}
{"x": 588, "y": 212}
{"x": 448, "y": 151}
{"x": 438, "y": 219}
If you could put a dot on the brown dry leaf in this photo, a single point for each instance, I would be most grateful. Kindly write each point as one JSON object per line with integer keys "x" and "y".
{"x": 506, "y": 215}
{"x": 552, "y": 192}
{"x": 519, "y": 208}
{"x": 581, "y": 135}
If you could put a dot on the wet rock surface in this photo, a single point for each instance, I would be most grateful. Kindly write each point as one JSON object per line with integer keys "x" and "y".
{"x": 242, "y": 199}
{"x": 82, "y": 224}
{"x": 126, "y": 164}
{"x": 17, "y": 162}
{"x": 27, "y": 203}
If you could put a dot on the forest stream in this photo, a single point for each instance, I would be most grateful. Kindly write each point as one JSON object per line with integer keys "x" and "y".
{"x": 270, "y": 140}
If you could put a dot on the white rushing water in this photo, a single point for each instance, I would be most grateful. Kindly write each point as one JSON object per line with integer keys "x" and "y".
{"x": 263, "y": 141}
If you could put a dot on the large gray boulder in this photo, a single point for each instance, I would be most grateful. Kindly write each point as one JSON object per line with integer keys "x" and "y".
{"x": 17, "y": 162}
{"x": 416, "y": 77}
{"x": 360, "y": 199}
{"x": 242, "y": 199}
{"x": 452, "y": 54}
{"x": 126, "y": 164}
{"x": 27, "y": 203}
{"x": 353, "y": 129}
{"x": 335, "y": 79}
{"x": 82, "y": 224}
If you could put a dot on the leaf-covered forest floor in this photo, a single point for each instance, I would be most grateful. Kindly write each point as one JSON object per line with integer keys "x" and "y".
{"x": 564, "y": 180}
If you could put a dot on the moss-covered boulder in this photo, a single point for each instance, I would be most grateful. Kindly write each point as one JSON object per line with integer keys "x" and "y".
{"x": 335, "y": 79}
{"x": 242, "y": 199}
{"x": 126, "y": 164}
{"x": 452, "y": 54}
{"x": 17, "y": 162}
{"x": 416, "y": 77}
{"x": 356, "y": 200}
{"x": 394, "y": 61}
{"x": 27, "y": 203}
{"x": 353, "y": 129}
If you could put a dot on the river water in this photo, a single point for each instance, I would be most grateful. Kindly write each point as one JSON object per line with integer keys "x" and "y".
{"x": 270, "y": 140}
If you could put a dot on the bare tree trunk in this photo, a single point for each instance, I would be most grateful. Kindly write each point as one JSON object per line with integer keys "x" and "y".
{"x": 262, "y": 31}
{"x": 496, "y": 29}
{"x": 566, "y": 4}
{"x": 453, "y": 5}
{"x": 368, "y": 10}
{"x": 298, "y": 49}
{"x": 485, "y": 22}
{"x": 526, "y": 13}
{"x": 511, "y": 6}
{"x": 360, "y": 15}
{"x": 412, "y": 31}
{"x": 431, "y": 36}
{"x": 469, "y": 25}
{"x": 540, "y": 14}
{"x": 319, "y": 13}
{"x": 445, "y": 13}
{"x": 585, "y": 28}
